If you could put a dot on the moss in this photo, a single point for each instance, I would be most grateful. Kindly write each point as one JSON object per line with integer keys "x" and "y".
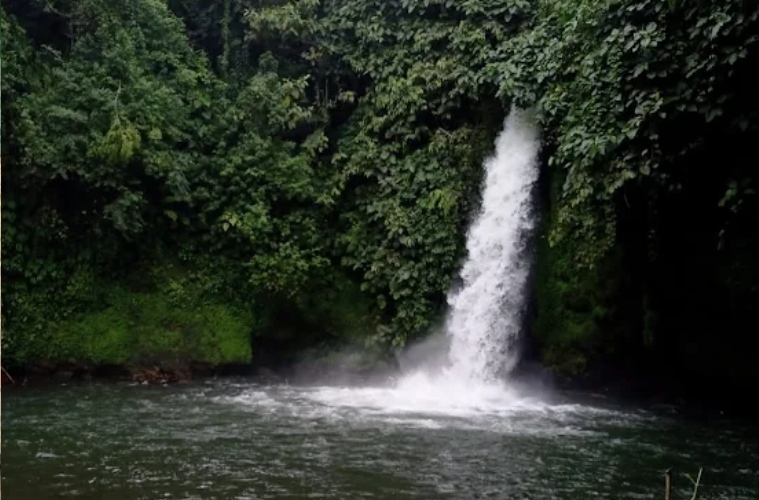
{"x": 577, "y": 318}
{"x": 156, "y": 313}
{"x": 140, "y": 327}
{"x": 582, "y": 314}
{"x": 165, "y": 311}
{"x": 563, "y": 328}
{"x": 226, "y": 338}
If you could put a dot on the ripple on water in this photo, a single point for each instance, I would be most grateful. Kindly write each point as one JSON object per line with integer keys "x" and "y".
{"x": 222, "y": 440}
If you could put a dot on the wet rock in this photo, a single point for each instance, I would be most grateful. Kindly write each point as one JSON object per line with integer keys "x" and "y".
{"x": 161, "y": 375}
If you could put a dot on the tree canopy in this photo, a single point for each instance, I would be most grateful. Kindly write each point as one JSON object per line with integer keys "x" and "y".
{"x": 324, "y": 157}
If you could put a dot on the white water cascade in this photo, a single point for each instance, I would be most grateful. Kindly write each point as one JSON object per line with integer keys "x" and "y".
{"x": 485, "y": 314}
{"x": 457, "y": 372}
{"x": 462, "y": 369}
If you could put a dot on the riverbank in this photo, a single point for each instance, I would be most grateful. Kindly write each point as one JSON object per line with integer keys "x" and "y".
{"x": 346, "y": 369}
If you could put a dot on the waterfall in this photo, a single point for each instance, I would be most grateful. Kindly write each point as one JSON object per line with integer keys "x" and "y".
{"x": 486, "y": 312}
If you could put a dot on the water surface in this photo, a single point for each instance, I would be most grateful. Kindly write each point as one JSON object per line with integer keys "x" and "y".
{"x": 234, "y": 439}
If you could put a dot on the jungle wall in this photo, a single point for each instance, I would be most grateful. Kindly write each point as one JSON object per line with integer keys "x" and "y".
{"x": 230, "y": 181}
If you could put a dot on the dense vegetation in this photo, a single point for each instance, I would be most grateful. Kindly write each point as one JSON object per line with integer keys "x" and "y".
{"x": 180, "y": 176}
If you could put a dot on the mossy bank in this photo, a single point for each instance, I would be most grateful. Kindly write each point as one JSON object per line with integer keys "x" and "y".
{"x": 161, "y": 316}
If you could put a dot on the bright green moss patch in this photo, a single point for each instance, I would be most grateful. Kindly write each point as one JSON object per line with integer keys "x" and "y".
{"x": 137, "y": 328}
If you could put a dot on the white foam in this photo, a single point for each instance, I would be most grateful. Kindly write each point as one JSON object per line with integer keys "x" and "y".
{"x": 421, "y": 393}
{"x": 421, "y": 402}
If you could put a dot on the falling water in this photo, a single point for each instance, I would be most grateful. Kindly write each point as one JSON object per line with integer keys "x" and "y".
{"x": 485, "y": 313}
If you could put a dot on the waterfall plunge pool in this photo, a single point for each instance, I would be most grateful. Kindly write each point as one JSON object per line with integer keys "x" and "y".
{"x": 235, "y": 439}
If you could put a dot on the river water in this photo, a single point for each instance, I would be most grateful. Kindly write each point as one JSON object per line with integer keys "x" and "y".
{"x": 235, "y": 439}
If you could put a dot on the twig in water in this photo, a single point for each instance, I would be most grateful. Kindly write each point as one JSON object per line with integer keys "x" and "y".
{"x": 696, "y": 483}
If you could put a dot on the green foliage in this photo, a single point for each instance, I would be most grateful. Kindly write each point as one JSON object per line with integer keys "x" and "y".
{"x": 408, "y": 157}
{"x": 114, "y": 115}
{"x": 140, "y": 328}
{"x": 263, "y": 195}
{"x": 340, "y": 310}
{"x": 616, "y": 82}
{"x": 578, "y": 318}
{"x": 323, "y": 158}
{"x": 164, "y": 313}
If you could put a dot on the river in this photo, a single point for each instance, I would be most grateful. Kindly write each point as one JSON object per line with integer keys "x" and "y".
{"x": 235, "y": 439}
